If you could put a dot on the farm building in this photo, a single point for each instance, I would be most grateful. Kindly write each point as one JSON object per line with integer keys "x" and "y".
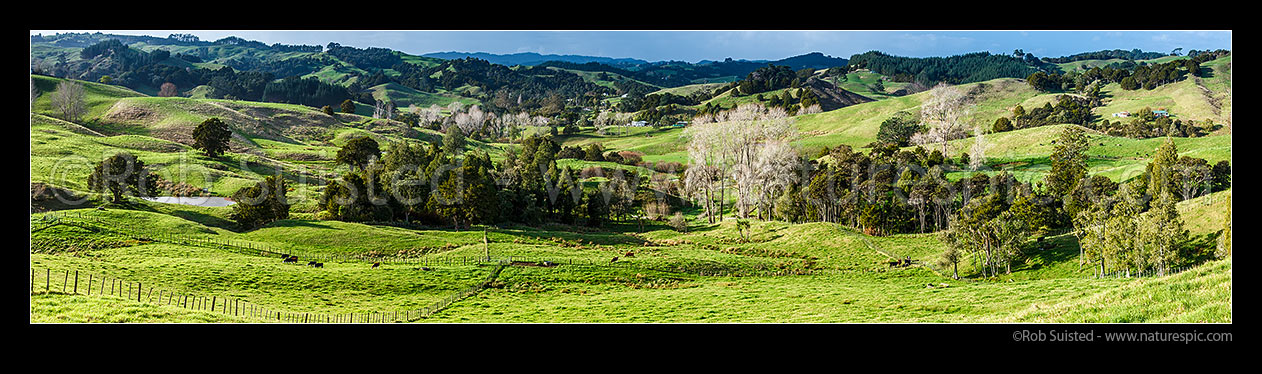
{"x": 680, "y": 124}
{"x": 1122, "y": 114}
{"x": 1161, "y": 113}
{"x": 638, "y": 123}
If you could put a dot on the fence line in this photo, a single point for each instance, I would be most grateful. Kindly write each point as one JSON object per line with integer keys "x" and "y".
{"x": 93, "y": 284}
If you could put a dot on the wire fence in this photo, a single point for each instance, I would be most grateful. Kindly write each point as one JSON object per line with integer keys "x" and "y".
{"x": 76, "y": 282}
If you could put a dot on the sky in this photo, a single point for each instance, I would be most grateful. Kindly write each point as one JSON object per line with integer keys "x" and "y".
{"x": 696, "y": 45}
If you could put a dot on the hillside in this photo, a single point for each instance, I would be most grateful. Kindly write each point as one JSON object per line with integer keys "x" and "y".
{"x": 302, "y": 141}
{"x": 1196, "y": 296}
{"x": 403, "y": 97}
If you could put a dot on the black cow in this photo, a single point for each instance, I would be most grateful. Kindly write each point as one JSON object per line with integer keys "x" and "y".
{"x": 293, "y": 259}
{"x": 312, "y": 263}
{"x": 319, "y": 264}
{"x": 376, "y": 265}
{"x": 615, "y": 259}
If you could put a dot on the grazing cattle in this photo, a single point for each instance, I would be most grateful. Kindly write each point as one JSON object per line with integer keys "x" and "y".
{"x": 319, "y": 264}
{"x": 376, "y": 265}
{"x": 312, "y": 263}
{"x": 615, "y": 259}
{"x": 291, "y": 259}
{"x": 425, "y": 269}
{"x": 629, "y": 254}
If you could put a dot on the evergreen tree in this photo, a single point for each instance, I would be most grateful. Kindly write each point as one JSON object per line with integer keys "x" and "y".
{"x": 453, "y": 141}
{"x": 1069, "y": 161}
{"x": 348, "y": 106}
{"x": 596, "y": 208}
{"x": 359, "y": 152}
{"x": 123, "y": 174}
{"x": 1222, "y": 175}
{"x": 261, "y": 203}
{"x": 1161, "y": 234}
{"x": 212, "y": 136}
{"x": 1160, "y": 173}
{"x": 1002, "y": 124}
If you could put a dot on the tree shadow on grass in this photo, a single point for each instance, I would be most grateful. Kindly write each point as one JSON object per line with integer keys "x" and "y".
{"x": 205, "y": 219}
{"x": 299, "y": 223}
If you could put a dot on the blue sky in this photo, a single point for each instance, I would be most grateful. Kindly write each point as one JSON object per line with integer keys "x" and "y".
{"x": 694, "y": 45}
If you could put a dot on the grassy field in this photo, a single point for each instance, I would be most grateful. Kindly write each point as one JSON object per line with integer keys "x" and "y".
{"x": 404, "y": 96}
{"x": 1024, "y": 153}
{"x": 841, "y": 278}
{"x": 1195, "y": 296}
{"x": 64, "y": 308}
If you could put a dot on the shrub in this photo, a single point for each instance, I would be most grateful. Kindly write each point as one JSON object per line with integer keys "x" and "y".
{"x": 678, "y": 222}
{"x": 656, "y": 210}
{"x": 630, "y": 157}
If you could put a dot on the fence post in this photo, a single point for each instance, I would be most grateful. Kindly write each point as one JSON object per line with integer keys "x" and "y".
{"x": 65, "y": 279}
{"x": 76, "y": 282}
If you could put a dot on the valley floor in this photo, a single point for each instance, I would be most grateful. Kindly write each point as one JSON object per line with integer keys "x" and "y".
{"x": 805, "y": 273}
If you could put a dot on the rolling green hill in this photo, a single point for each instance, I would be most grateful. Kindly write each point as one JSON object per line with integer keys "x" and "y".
{"x": 403, "y": 97}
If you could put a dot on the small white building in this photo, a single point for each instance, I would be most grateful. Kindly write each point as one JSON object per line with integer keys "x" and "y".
{"x": 1122, "y": 114}
{"x": 638, "y": 123}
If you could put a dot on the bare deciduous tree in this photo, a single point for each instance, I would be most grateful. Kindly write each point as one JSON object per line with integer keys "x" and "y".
{"x": 977, "y": 154}
{"x": 739, "y": 144}
{"x": 168, "y": 90}
{"x": 454, "y": 107}
{"x": 383, "y": 109}
{"x": 68, "y": 99}
{"x": 943, "y": 114}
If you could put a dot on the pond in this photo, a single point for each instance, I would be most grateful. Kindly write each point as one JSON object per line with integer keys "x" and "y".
{"x": 208, "y": 201}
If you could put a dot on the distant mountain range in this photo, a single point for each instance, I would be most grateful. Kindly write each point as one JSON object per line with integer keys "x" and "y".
{"x": 532, "y": 59}
{"x": 815, "y": 60}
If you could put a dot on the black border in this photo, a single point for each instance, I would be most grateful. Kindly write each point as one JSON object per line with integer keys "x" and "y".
{"x": 897, "y": 341}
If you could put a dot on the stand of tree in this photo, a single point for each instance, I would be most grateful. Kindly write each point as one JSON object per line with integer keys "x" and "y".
{"x": 1134, "y": 54}
{"x": 967, "y": 68}
{"x": 1129, "y": 75}
{"x": 425, "y": 183}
